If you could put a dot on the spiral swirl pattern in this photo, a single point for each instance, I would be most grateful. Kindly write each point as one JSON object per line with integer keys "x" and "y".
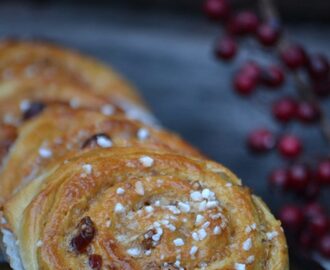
{"x": 150, "y": 210}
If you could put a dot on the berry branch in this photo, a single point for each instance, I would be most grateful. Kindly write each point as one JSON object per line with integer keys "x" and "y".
{"x": 308, "y": 177}
{"x": 269, "y": 13}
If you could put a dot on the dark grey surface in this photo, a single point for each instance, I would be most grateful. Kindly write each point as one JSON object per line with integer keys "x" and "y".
{"x": 169, "y": 58}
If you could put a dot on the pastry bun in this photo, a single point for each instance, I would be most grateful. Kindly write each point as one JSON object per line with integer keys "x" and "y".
{"x": 89, "y": 180}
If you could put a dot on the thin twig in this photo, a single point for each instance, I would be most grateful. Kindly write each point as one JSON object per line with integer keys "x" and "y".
{"x": 268, "y": 10}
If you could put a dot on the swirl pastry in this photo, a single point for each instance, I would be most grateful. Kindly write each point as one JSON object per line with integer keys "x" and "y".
{"x": 134, "y": 208}
{"x": 87, "y": 187}
{"x": 32, "y": 61}
{"x": 35, "y": 75}
{"x": 63, "y": 131}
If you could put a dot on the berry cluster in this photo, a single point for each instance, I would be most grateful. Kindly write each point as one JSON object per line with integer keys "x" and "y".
{"x": 311, "y": 72}
{"x": 309, "y": 224}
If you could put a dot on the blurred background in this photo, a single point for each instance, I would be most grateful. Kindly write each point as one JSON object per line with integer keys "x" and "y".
{"x": 166, "y": 49}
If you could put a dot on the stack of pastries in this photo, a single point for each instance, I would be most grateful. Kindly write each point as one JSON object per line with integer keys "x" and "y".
{"x": 89, "y": 180}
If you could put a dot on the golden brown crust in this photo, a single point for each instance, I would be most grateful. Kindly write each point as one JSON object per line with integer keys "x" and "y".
{"x": 34, "y": 72}
{"x": 61, "y": 131}
{"x": 17, "y": 97}
{"x": 34, "y": 60}
{"x": 235, "y": 228}
{"x": 44, "y": 74}
{"x": 8, "y": 136}
{"x": 83, "y": 181}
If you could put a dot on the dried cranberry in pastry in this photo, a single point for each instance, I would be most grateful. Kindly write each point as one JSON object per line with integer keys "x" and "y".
{"x": 93, "y": 141}
{"x": 34, "y": 109}
{"x": 147, "y": 242}
{"x": 85, "y": 235}
{"x": 95, "y": 261}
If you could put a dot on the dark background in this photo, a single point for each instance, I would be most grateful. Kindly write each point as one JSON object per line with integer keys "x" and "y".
{"x": 165, "y": 49}
{"x": 293, "y": 10}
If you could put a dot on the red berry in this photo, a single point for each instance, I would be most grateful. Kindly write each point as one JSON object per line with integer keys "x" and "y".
{"x": 261, "y": 140}
{"x": 243, "y": 23}
{"x": 226, "y": 48}
{"x": 299, "y": 176}
{"x": 95, "y": 261}
{"x": 251, "y": 69}
{"x": 291, "y": 217}
{"x": 313, "y": 209}
{"x": 244, "y": 84}
{"x": 272, "y": 76}
{"x": 217, "y": 9}
{"x": 323, "y": 172}
{"x": 248, "y": 21}
{"x": 279, "y": 178}
{"x": 284, "y": 110}
{"x": 318, "y": 225}
{"x": 306, "y": 239}
{"x": 318, "y": 67}
{"x": 324, "y": 245}
{"x": 294, "y": 57}
{"x": 268, "y": 35}
{"x": 312, "y": 190}
{"x": 290, "y": 146}
{"x": 308, "y": 112}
